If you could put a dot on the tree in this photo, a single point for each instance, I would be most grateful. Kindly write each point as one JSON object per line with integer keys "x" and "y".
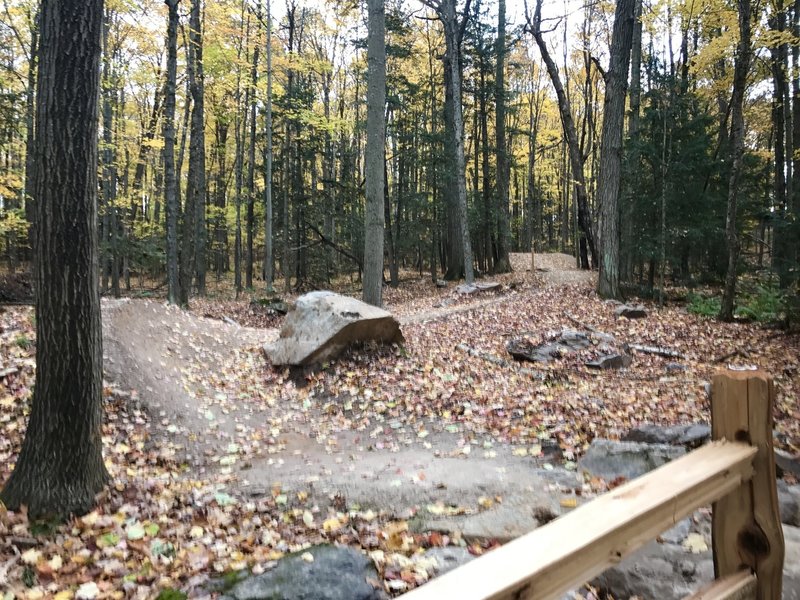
{"x": 503, "y": 263}
{"x": 609, "y": 178}
{"x": 197, "y": 149}
{"x": 60, "y": 468}
{"x": 587, "y": 245}
{"x": 269, "y": 271}
{"x": 737, "y": 134}
{"x": 170, "y": 180}
{"x": 454, "y": 34}
{"x": 375, "y": 155}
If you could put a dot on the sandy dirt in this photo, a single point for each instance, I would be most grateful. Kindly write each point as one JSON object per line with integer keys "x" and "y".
{"x": 163, "y": 353}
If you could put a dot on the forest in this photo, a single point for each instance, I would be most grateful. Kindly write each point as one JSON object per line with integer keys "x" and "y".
{"x": 572, "y": 216}
{"x": 266, "y": 118}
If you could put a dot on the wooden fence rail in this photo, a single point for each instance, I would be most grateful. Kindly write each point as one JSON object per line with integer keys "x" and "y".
{"x": 735, "y": 472}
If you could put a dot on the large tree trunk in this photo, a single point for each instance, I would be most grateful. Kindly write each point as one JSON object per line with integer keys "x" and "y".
{"x": 269, "y": 261}
{"x": 741, "y": 67}
{"x": 197, "y": 149}
{"x": 60, "y": 468}
{"x": 609, "y": 179}
{"x": 375, "y": 154}
{"x": 453, "y": 33}
{"x": 587, "y": 245}
{"x": 170, "y": 179}
{"x": 503, "y": 262}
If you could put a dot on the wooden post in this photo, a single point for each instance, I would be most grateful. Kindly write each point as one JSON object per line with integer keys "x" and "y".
{"x": 746, "y": 526}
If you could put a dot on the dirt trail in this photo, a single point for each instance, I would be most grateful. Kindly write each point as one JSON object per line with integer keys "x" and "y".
{"x": 173, "y": 358}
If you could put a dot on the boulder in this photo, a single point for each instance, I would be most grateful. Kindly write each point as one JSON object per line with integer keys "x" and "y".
{"x": 610, "y": 459}
{"x": 631, "y": 312}
{"x": 322, "y": 324}
{"x": 335, "y": 573}
{"x": 611, "y": 361}
{"x": 690, "y": 436}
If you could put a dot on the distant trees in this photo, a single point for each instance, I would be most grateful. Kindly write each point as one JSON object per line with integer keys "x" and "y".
{"x": 60, "y": 468}
{"x": 494, "y": 140}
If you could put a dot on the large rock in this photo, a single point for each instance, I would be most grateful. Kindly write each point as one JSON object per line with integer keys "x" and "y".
{"x": 611, "y": 361}
{"x": 789, "y": 503}
{"x": 667, "y": 571}
{"x": 336, "y": 573}
{"x": 690, "y": 436}
{"x": 567, "y": 342}
{"x": 322, "y": 324}
{"x": 631, "y": 312}
{"x": 609, "y": 459}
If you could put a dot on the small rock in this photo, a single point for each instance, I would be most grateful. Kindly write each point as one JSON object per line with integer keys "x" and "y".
{"x": 335, "y": 573}
{"x": 440, "y": 283}
{"x": 631, "y": 312}
{"x": 609, "y": 459}
{"x": 611, "y": 361}
{"x": 448, "y": 558}
{"x": 674, "y": 367}
{"x": 690, "y": 436}
{"x": 789, "y": 503}
{"x": 786, "y": 463}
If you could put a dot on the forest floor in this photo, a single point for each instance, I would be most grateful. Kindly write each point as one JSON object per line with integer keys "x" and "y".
{"x": 222, "y": 462}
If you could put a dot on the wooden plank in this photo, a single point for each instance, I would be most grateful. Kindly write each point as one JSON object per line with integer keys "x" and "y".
{"x": 572, "y": 549}
{"x": 739, "y": 586}
{"x": 746, "y": 526}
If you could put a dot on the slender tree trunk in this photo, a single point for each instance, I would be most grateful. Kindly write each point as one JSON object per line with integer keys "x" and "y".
{"x": 30, "y": 159}
{"x": 170, "y": 179}
{"x": 197, "y": 149}
{"x": 609, "y": 180}
{"x": 251, "y": 168}
{"x": 269, "y": 261}
{"x": 503, "y": 263}
{"x": 587, "y": 245}
{"x": 60, "y": 468}
{"x": 375, "y": 154}
{"x": 741, "y": 67}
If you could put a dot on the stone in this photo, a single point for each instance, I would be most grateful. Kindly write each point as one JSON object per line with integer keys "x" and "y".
{"x": 786, "y": 463}
{"x": 567, "y": 342}
{"x": 448, "y": 558}
{"x": 485, "y": 286}
{"x": 611, "y": 361}
{"x": 674, "y": 367}
{"x": 666, "y": 571}
{"x": 789, "y": 503}
{"x": 631, "y": 312}
{"x": 335, "y": 573}
{"x": 691, "y": 436}
{"x": 322, "y": 324}
{"x": 610, "y": 459}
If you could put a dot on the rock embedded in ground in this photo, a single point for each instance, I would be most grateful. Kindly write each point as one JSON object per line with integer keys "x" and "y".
{"x": 693, "y": 435}
{"x": 669, "y": 571}
{"x": 631, "y": 312}
{"x": 611, "y": 361}
{"x": 335, "y": 573}
{"x": 786, "y": 463}
{"x": 448, "y": 558}
{"x": 485, "y": 286}
{"x": 789, "y": 503}
{"x": 567, "y": 342}
{"x": 609, "y": 459}
{"x": 322, "y": 324}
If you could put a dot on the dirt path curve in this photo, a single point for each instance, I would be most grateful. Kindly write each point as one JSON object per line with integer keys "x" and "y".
{"x": 169, "y": 356}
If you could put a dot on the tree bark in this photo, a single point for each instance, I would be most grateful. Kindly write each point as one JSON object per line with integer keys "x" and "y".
{"x": 197, "y": 149}
{"x": 375, "y": 154}
{"x": 740, "y": 69}
{"x": 608, "y": 185}
{"x": 170, "y": 179}
{"x": 269, "y": 260}
{"x": 587, "y": 245}
{"x": 503, "y": 262}
{"x": 60, "y": 468}
{"x": 251, "y": 169}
